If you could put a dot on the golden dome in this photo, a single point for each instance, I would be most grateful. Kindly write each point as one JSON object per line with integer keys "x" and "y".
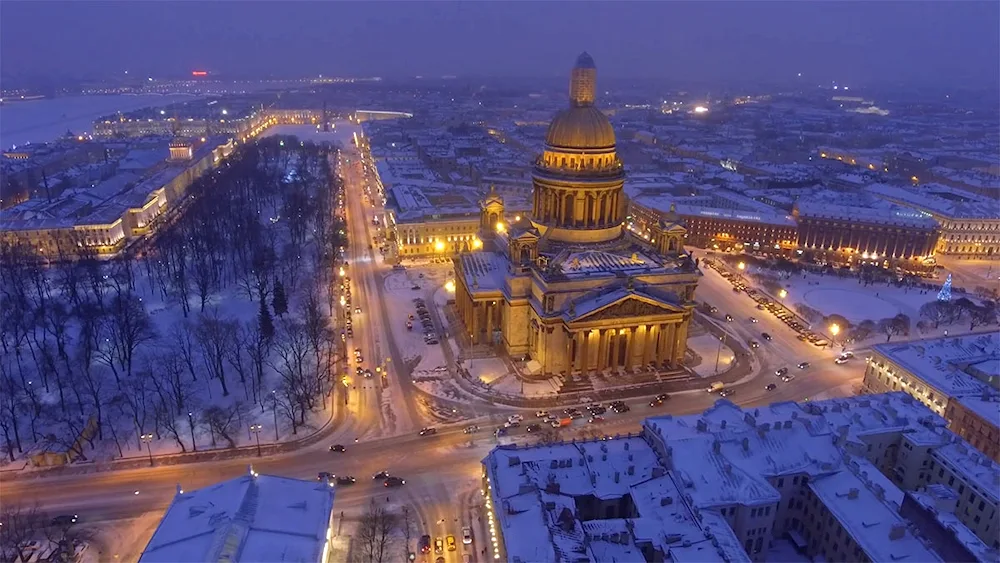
{"x": 581, "y": 128}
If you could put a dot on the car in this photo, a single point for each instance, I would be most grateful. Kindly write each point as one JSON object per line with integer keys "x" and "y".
{"x": 753, "y": 319}
{"x": 726, "y": 392}
{"x": 534, "y": 427}
{"x": 359, "y": 370}
{"x": 556, "y": 424}
{"x": 360, "y": 359}
{"x": 394, "y": 482}
{"x": 500, "y": 432}
{"x": 736, "y": 289}
{"x": 788, "y": 377}
{"x": 438, "y": 545}
{"x": 820, "y": 342}
{"x": 729, "y": 318}
{"x": 541, "y": 414}
{"x": 346, "y": 480}
{"x": 770, "y": 387}
{"x": 65, "y": 520}
{"x": 662, "y": 397}
{"x": 803, "y": 365}
{"x": 512, "y": 424}
{"x": 368, "y": 373}
{"x": 338, "y": 448}
{"x": 325, "y": 475}
{"x": 656, "y": 403}
{"x": 802, "y": 337}
{"x": 765, "y": 336}
{"x": 551, "y": 416}
{"x": 754, "y": 344}
{"x": 713, "y": 309}
{"x": 470, "y": 429}
{"x": 428, "y": 431}
{"x": 431, "y": 341}
{"x": 425, "y": 544}
{"x": 575, "y": 415}
{"x": 466, "y": 535}
{"x": 452, "y": 544}
{"x": 598, "y": 410}
{"x": 847, "y": 354}
{"x": 384, "y": 474}
{"x": 515, "y": 418}
{"x": 841, "y": 360}
{"x": 620, "y": 408}
{"x": 760, "y": 306}
{"x": 781, "y": 371}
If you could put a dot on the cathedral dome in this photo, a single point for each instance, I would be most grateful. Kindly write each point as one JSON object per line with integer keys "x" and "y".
{"x": 582, "y": 127}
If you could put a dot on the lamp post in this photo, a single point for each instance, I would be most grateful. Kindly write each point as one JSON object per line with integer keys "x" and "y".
{"x": 719, "y": 352}
{"x": 255, "y": 429}
{"x": 834, "y": 331}
{"x": 274, "y": 411}
{"x": 148, "y": 438}
{"x": 194, "y": 446}
{"x": 741, "y": 266}
{"x": 782, "y": 294}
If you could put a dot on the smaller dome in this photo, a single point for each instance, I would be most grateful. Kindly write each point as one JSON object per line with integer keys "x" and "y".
{"x": 585, "y": 61}
{"x": 581, "y": 128}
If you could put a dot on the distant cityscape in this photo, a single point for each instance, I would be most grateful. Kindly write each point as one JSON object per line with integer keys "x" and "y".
{"x": 627, "y": 324}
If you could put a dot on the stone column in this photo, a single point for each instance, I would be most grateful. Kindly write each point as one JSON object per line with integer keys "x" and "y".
{"x": 489, "y": 322}
{"x": 668, "y": 344}
{"x": 584, "y": 350}
{"x": 602, "y": 349}
{"x": 629, "y": 347}
{"x": 680, "y": 341}
{"x": 649, "y": 343}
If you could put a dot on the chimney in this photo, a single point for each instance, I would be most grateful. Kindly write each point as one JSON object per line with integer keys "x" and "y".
{"x": 897, "y": 531}
{"x": 666, "y": 501}
{"x": 701, "y": 425}
{"x": 631, "y": 470}
{"x": 716, "y": 446}
{"x": 746, "y": 444}
{"x": 722, "y": 425}
{"x": 616, "y": 476}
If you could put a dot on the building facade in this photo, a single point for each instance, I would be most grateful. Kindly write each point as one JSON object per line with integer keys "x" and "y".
{"x": 863, "y": 232}
{"x": 952, "y": 376}
{"x": 570, "y": 288}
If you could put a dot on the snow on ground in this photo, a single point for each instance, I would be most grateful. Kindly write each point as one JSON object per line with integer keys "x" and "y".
{"x": 342, "y": 132}
{"x": 707, "y": 346}
{"x": 512, "y": 385}
{"x": 487, "y": 370}
{"x": 855, "y": 301}
{"x": 848, "y": 389}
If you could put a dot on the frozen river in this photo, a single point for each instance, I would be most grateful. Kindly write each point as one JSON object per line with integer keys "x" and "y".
{"x": 44, "y": 120}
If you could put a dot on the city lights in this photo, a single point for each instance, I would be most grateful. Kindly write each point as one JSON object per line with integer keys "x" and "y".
{"x": 439, "y": 246}
{"x": 783, "y": 293}
{"x": 741, "y": 266}
{"x": 501, "y": 228}
{"x": 450, "y": 286}
{"x": 700, "y": 109}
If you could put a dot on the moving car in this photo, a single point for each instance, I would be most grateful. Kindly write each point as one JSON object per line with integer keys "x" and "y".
{"x": 384, "y": 474}
{"x": 716, "y": 387}
{"x": 726, "y": 392}
{"x": 787, "y": 377}
{"x": 346, "y": 480}
{"x": 470, "y": 429}
{"x": 770, "y": 387}
{"x": 753, "y": 319}
{"x": 325, "y": 475}
{"x": 438, "y": 545}
{"x": 428, "y": 431}
{"x": 394, "y": 482}
{"x": 452, "y": 544}
{"x": 765, "y": 336}
{"x": 781, "y": 371}
{"x": 515, "y": 418}
{"x": 841, "y": 360}
{"x": 425, "y": 544}
{"x": 656, "y": 403}
{"x": 542, "y": 414}
{"x": 729, "y": 318}
{"x": 338, "y": 448}
{"x": 803, "y": 365}
{"x": 466, "y": 535}
{"x": 754, "y": 344}
{"x": 662, "y": 397}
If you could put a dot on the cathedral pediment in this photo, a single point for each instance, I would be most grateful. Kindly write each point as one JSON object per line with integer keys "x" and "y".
{"x": 631, "y": 306}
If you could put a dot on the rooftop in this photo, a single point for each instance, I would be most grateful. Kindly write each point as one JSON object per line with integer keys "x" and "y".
{"x": 940, "y": 200}
{"x": 949, "y": 363}
{"x": 251, "y": 518}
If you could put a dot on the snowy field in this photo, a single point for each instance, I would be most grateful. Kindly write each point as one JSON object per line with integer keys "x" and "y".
{"x": 707, "y": 347}
{"x": 342, "y": 132}
{"x": 854, "y": 301}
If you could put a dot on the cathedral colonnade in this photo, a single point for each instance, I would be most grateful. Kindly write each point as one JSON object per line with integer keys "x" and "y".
{"x": 480, "y": 317}
{"x": 660, "y": 343}
{"x": 576, "y": 208}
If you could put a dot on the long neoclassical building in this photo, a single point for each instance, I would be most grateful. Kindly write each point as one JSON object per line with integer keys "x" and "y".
{"x": 569, "y": 287}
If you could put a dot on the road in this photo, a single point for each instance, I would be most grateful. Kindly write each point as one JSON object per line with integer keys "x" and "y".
{"x": 383, "y": 415}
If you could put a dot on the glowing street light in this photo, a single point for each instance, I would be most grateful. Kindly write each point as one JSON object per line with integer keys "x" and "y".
{"x": 439, "y": 246}
{"x": 148, "y": 438}
{"x": 741, "y": 266}
{"x": 501, "y": 227}
{"x": 782, "y": 294}
{"x": 342, "y": 272}
{"x": 450, "y": 286}
{"x": 835, "y": 329}
{"x": 255, "y": 430}
{"x": 476, "y": 244}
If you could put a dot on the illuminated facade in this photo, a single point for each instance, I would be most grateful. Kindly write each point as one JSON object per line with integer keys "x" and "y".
{"x": 849, "y": 231}
{"x": 720, "y": 228}
{"x": 570, "y": 288}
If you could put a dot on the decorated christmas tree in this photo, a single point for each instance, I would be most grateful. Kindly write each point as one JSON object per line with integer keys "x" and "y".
{"x": 945, "y": 293}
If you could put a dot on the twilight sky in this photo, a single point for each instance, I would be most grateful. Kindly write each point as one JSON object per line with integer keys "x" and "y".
{"x": 954, "y": 43}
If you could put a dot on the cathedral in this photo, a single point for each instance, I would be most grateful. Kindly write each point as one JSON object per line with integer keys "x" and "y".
{"x": 569, "y": 288}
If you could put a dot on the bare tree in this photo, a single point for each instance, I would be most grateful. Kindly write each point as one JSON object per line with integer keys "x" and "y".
{"x": 22, "y": 527}
{"x": 376, "y": 534}
{"x": 225, "y": 421}
{"x": 124, "y": 328}
{"x": 215, "y": 337}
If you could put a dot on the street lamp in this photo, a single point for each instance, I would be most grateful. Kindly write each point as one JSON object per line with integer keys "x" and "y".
{"x": 194, "y": 446}
{"x": 782, "y": 294}
{"x": 834, "y": 331}
{"x": 148, "y": 438}
{"x": 255, "y": 429}
{"x": 742, "y": 266}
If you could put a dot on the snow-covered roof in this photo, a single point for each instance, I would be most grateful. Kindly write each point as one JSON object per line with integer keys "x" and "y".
{"x": 948, "y": 364}
{"x": 483, "y": 271}
{"x": 930, "y": 499}
{"x": 251, "y": 518}
{"x": 877, "y": 529}
{"x": 940, "y": 200}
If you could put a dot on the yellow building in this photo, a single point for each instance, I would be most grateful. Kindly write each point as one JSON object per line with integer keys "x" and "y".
{"x": 571, "y": 288}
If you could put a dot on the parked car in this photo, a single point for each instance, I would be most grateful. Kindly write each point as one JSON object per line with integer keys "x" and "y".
{"x": 541, "y": 414}
{"x": 452, "y": 544}
{"x": 425, "y": 544}
{"x": 533, "y": 427}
